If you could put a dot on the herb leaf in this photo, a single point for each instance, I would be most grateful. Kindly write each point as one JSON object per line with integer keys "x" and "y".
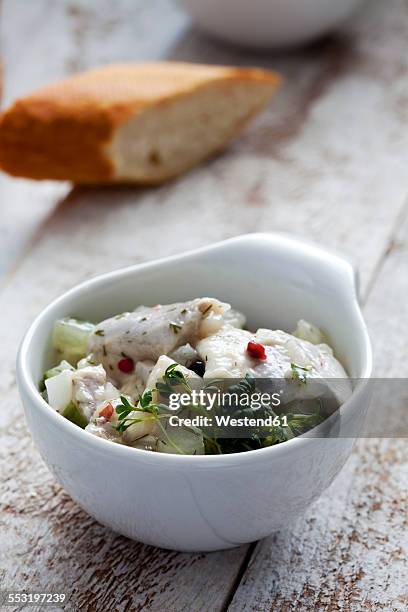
{"x": 299, "y": 373}
{"x": 206, "y": 310}
{"x": 175, "y": 327}
{"x": 173, "y": 376}
{"x": 146, "y": 399}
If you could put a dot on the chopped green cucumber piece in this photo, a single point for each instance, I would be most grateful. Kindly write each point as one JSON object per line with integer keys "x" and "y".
{"x": 181, "y": 441}
{"x": 146, "y": 443}
{"x": 64, "y": 365}
{"x": 70, "y": 338}
{"x": 73, "y": 413}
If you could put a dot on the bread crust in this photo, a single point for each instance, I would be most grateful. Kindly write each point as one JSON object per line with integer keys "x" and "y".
{"x": 62, "y": 131}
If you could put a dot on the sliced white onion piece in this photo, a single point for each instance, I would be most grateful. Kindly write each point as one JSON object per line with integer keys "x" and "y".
{"x": 59, "y": 390}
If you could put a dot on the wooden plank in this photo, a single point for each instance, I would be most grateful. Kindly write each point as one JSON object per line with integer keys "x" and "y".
{"x": 350, "y": 551}
{"x": 29, "y": 30}
{"x": 46, "y": 40}
{"x": 330, "y": 149}
{"x": 347, "y": 553}
{"x": 54, "y": 545}
{"x": 289, "y": 172}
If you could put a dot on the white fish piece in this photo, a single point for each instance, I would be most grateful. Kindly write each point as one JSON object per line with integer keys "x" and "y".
{"x": 184, "y": 355}
{"x": 91, "y": 388}
{"x": 87, "y": 387}
{"x": 149, "y": 332}
{"x": 158, "y": 372}
{"x": 135, "y": 384}
{"x": 307, "y": 331}
{"x": 102, "y": 427}
{"x": 217, "y": 316}
{"x": 235, "y": 318}
{"x": 326, "y": 376}
{"x": 226, "y": 356}
{"x": 319, "y": 358}
{"x": 145, "y": 426}
{"x": 224, "y": 353}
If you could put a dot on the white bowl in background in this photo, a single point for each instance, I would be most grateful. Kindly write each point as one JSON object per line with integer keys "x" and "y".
{"x": 205, "y": 503}
{"x": 269, "y": 23}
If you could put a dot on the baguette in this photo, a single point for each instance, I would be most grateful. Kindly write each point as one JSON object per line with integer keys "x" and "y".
{"x": 138, "y": 123}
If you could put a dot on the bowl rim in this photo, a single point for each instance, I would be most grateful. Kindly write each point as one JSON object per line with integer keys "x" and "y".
{"x": 28, "y": 387}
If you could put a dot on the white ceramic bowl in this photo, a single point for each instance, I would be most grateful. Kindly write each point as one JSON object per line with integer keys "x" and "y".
{"x": 205, "y": 502}
{"x": 269, "y": 23}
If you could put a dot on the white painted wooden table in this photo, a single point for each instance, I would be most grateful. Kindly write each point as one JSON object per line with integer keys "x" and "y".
{"x": 328, "y": 161}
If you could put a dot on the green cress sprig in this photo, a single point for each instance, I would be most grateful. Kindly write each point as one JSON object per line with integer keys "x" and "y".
{"x": 299, "y": 373}
{"x": 145, "y": 404}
